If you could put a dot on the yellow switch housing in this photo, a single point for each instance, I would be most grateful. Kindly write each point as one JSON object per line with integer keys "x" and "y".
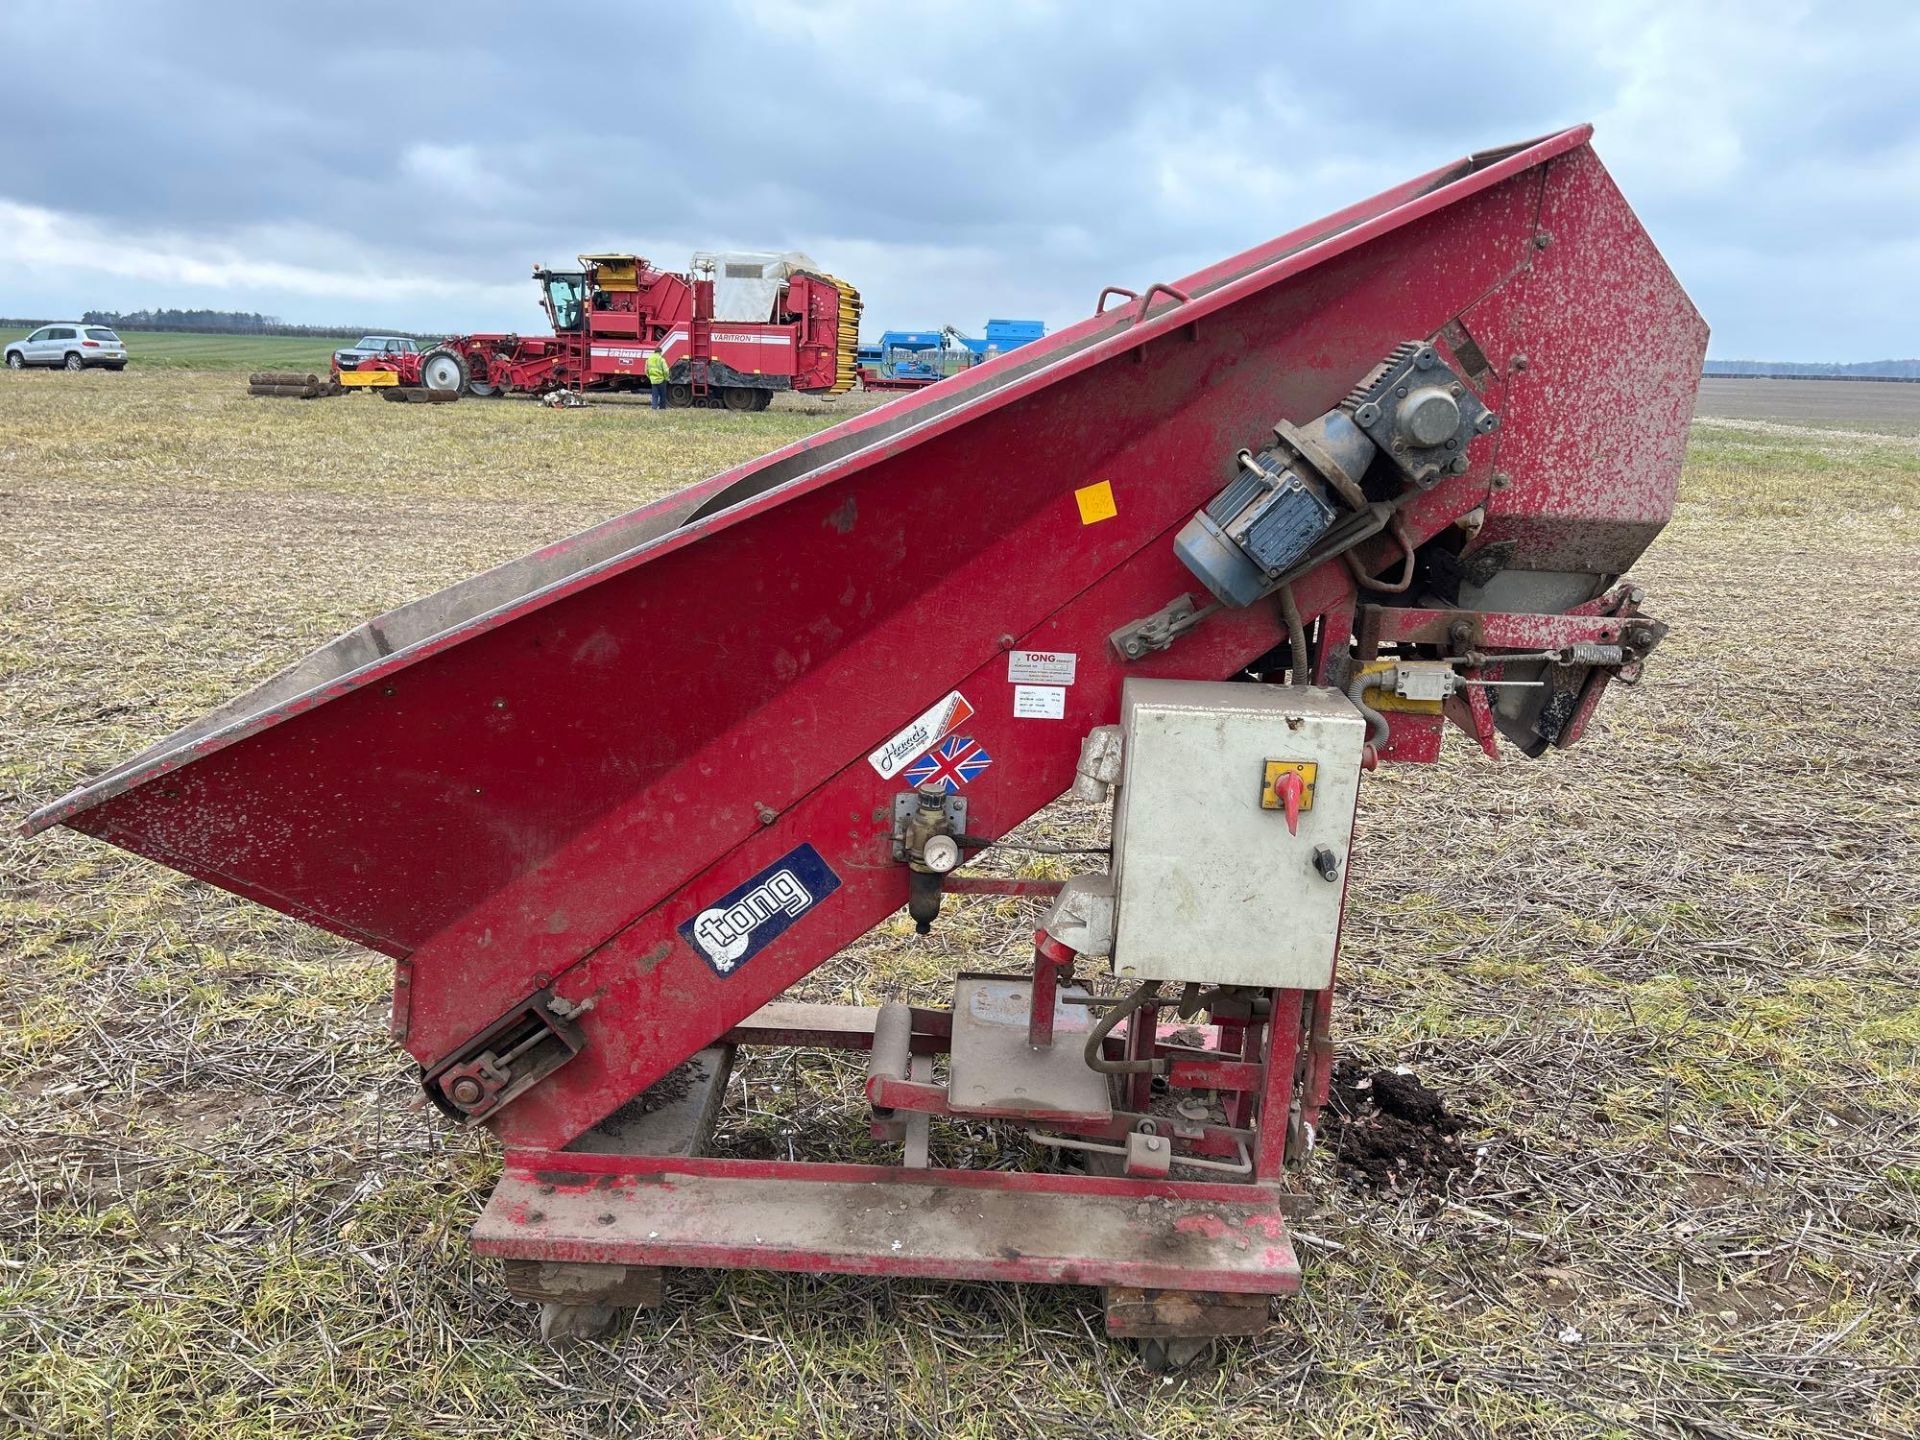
{"x": 1269, "y": 787}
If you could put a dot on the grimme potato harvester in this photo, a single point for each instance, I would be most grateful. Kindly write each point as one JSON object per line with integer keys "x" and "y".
{"x": 1213, "y": 553}
{"x": 737, "y": 330}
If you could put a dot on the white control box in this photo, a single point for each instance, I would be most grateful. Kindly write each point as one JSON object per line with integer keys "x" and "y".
{"x": 1211, "y": 884}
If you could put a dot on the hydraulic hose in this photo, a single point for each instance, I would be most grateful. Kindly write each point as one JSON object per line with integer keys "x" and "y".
{"x": 1396, "y": 587}
{"x": 1377, "y": 727}
{"x": 1097, "y": 1037}
{"x": 1297, "y": 672}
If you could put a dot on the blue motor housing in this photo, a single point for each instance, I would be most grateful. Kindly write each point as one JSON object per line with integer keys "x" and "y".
{"x": 1256, "y": 529}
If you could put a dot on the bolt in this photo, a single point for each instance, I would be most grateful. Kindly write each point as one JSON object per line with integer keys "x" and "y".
{"x": 1501, "y": 480}
{"x": 1518, "y": 364}
{"x": 466, "y": 1091}
{"x": 1400, "y": 390}
{"x": 766, "y": 813}
{"x": 1133, "y": 647}
{"x": 1542, "y": 240}
{"x": 1455, "y": 388}
{"x": 1424, "y": 360}
{"x": 1459, "y": 466}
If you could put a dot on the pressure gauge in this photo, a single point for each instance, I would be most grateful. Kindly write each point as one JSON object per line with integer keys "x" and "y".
{"x": 940, "y": 854}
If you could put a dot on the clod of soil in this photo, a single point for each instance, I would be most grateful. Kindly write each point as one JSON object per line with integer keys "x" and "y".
{"x": 1391, "y": 1133}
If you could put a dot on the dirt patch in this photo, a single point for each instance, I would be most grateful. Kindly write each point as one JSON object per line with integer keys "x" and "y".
{"x": 669, "y": 1089}
{"x": 1391, "y": 1133}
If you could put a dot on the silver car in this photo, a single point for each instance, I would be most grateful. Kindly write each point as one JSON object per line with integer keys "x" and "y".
{"x": 373, "y": 347}
{"x": 72, "y": 346}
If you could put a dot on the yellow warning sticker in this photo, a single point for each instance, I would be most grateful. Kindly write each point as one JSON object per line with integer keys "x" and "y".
{"x": 1096, "y": 503}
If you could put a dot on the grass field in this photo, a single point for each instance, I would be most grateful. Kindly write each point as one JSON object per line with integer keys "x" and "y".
{"x": 164, "y": 349}
{"x": 1668, "y": 975}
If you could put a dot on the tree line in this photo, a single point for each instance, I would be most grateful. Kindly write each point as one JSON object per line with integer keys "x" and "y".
{"x": 212, "y": 322}
{"x": 1798, "y": 369}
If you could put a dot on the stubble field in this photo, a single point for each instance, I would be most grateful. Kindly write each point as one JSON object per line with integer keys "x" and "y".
{"x": 1666, "y": 978}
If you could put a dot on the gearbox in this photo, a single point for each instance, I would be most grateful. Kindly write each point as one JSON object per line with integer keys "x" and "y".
{"x": 1281, "y": 503}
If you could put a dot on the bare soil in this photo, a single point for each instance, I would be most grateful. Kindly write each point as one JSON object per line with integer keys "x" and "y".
{"x": 1665, "y": 980}
{"x": 1883, "y": 406}
{"x": 1391, "y": 1133}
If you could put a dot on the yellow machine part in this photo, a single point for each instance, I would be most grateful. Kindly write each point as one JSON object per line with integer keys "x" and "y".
{"x": 849, "y": 348}
{"x": 1385, "y": 700}
{"x": 614, "y": 272}
{"x": 368, "y": 377}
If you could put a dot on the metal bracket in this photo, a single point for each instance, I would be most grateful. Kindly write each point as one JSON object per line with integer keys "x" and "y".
{"x": 1158, "y": 630}
{"x": 504, "y": 1061}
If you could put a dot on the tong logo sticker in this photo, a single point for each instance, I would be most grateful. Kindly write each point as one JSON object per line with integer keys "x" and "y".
{"x": 950, "y": 765}
{"x": 922, "y": 735}
{"x": 755, "y": 913}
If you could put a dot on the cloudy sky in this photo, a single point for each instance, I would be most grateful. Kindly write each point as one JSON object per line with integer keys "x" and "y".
{"x": 405, "y": 165}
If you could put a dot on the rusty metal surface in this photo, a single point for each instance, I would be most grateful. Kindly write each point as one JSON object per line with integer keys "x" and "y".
{"x": 1135, "y": 1314}
{"x": 933, "y": 1224}
{"x": 569, "y": 1282}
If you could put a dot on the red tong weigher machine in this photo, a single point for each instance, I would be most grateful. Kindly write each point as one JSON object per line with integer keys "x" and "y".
{"x": 1210, "y": 555}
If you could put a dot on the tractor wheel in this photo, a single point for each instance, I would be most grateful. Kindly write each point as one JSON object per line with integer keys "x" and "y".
{"x": 443, "y": 370}
{"x": 737, "y": 397}
{"x": 482, "y": 389}
{"x": 680, "y": 396}
{"x": 762, "y": 399}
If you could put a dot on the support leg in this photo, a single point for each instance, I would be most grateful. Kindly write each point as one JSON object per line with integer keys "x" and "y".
{"x": 1172, "y": 1328}
{"x": 580, "y": 1301}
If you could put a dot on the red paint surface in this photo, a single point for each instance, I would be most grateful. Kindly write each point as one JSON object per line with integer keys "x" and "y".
{"x": 541, "y": 795}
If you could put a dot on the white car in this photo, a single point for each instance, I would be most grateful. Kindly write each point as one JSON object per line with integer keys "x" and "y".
{"x": 69, "y": 346}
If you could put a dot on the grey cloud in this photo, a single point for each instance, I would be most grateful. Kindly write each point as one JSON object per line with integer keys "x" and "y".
{"x": 973, "y": 159}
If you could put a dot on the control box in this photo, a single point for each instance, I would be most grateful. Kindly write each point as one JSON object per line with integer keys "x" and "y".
{"x": 1231, "y": 830}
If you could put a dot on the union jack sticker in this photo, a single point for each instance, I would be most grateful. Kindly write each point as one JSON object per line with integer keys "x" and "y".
{"x": 950, "y": 765}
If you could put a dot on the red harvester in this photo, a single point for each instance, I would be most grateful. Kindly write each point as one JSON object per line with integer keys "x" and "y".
{"x": 740, "y": 329}
{"x": 743, "y": 327}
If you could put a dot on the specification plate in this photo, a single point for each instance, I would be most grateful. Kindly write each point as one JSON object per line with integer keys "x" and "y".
{"x": 1039, "y": 702}
{"x": 1041, "y": 667}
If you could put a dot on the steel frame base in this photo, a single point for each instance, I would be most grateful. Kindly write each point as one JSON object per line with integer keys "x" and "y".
{"x": 652, "y": 1211}
{"x": 589, "y": 1228}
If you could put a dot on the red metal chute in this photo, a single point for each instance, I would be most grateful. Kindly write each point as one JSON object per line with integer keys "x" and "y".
{"x": 524, "y": 787}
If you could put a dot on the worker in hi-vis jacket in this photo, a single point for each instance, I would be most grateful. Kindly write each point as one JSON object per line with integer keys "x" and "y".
{"x": 657, "y": 378}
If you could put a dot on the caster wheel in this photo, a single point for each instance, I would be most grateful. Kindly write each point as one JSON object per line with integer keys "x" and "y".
{"x": 1164, "y": 1356}
{"x": 560, "y": 1323}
